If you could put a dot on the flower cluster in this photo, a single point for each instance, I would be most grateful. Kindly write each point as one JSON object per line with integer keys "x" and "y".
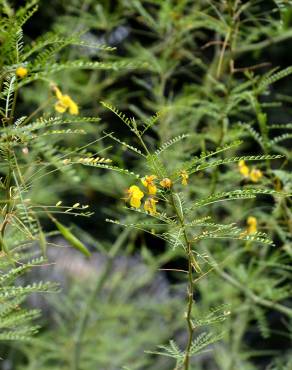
{"x": 135, "y": 194}
{"x": 65, "y": 103}
{"x": 253, "y": 174}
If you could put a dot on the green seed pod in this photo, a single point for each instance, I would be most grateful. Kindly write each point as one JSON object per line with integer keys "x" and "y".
{"x": 76, "y": 243}
{"x": 43, "y": 243}
{"x": 178, "y": 205}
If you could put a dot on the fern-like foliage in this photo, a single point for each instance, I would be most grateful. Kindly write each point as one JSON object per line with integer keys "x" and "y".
{"x": 33, "y": 147}
{"x": 16, "y": 320}
{"x": 178, "y": 221}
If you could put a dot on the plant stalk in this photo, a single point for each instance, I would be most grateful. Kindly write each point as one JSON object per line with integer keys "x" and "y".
{"x": 189, "y": 310}
{"x": 191, "y": 264}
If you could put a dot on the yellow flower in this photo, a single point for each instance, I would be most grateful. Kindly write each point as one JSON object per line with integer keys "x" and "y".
{"x": 148, "y": 182}
{"x": 65, "y": 102}
{"x": 134, "y": 196}
{"x": 21, "y": 72}
{"x": 184, "y": 175}
{"x": 255, "y": 175}
{"x": 150, "y": 206}
{"x": 251, "y": 225}
{"x": 243, "y": 168}
{"x": 166, "y": 183}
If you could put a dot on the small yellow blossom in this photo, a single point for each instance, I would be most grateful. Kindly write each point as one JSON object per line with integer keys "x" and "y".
{"x": 255, "y": 175}
{"x": 243, "y": 168}
{"x": 166, "y": 183}
{"x": 150, "y": 206}
{"x": 21, "y": 72}
{"x": 184, "y": 175}
{"x": 148, "y": 182}
{"x": 134, "y": 196}
{"x": 65, "y": 102}
{"x": 251, "y": 225}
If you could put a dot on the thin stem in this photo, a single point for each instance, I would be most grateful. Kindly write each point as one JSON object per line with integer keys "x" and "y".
{"x": 192, "y": 264}
{"x": 189, "y": 310}
{"x": 222, "y": 53}
{"x": 142, "y": 143}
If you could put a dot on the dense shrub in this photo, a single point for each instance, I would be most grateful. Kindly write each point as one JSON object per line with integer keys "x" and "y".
{"x": 146, "y": 173}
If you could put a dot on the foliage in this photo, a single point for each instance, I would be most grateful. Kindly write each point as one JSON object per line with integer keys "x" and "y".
{"x": 203, "y": 90}
{"x": 31, "y": 148}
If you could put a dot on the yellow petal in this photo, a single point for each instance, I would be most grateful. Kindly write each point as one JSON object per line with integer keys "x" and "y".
{"x": 148, "y": 180}
{"x": 135, "y": 202}
{"x": 73, "y": 108}
{"x": 135, "y": 196}
{"x": 244, "y": 170}
{"x": 69, "y": 103}
{"x": 252, "y": 225}
{"x": 150, "y": 206}
{"x": 147, "y": 205}
{"x": 152, "y": 189}
{"x": 21, "y": 72}
{"x": 66, "y": 100}
{"x": 58, "y": 93}
{"x": 184, "y": 181}
{"x": 255, "y": 175}
{"x": 136, "y": 191}
{"x": 166, "y": 183}
{"x": 60, "y": 107}
{"x": 184, "y": 175}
